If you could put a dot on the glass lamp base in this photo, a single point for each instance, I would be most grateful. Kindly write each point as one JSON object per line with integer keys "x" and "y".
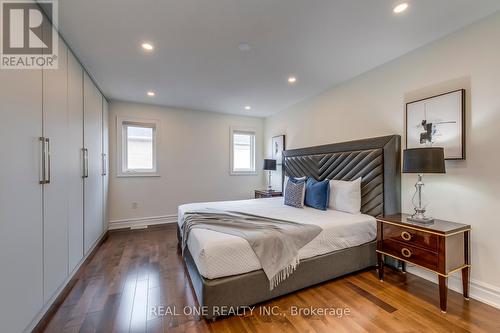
{"x": 419, "y": 204}
{"x": 421, "y": 219}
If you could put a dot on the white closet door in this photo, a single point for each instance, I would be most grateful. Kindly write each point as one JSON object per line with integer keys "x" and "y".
{"x": 55, "y": 196}
{"x": 21, "y": 272}
{"x": 105, "y": 150}
{"x": 92, "y": 101}
{"x": 75, "y": 162}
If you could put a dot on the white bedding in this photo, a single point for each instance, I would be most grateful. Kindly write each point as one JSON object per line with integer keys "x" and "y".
{"x": 217, "y": 254}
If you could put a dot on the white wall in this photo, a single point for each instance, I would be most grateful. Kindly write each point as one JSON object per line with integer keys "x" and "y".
{"x": 373, "y": 105}
{"x": 193, "y": 162}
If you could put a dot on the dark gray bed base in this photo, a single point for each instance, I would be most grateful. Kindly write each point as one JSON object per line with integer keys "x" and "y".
{"x": 377, "y": 161}
{"x": 253, "y": 287}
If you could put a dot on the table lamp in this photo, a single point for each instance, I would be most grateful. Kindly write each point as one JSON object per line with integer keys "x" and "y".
{"x": 269, "y": 165}
{"x": 420, "y": 161}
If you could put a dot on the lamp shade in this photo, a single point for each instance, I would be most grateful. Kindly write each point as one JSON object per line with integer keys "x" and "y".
{"x": 423, "y": 160}
{"x": 269, "y": 164}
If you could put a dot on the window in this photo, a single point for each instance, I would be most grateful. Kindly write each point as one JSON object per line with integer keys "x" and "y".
{"x": 138, "y": 147}
{"x": 242, "y": 152}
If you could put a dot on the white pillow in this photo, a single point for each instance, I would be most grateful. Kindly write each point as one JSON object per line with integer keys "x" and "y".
{"x": 286, "y": 182}
{"x": 345, "y": 196}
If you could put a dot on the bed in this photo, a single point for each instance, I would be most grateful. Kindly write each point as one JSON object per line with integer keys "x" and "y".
{"x": 225, "y": 272}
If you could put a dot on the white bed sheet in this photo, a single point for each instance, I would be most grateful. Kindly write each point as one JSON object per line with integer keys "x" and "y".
{"x": 217, "y": 254}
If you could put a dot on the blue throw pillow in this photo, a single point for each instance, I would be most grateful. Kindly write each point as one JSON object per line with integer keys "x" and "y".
{"x": 317, "y": 194}
{"x": 294, "y": 192}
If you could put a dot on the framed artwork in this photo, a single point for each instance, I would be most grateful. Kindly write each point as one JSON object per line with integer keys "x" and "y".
{"x": 278, "y": 145}
{"x": 438, "y": 121}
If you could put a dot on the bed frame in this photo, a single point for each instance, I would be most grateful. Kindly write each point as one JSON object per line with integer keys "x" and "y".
{"x": 377, "y": 161}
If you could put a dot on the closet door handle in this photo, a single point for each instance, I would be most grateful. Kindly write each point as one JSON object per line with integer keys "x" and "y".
{"x": 86, "y": 163}
{"x": 47, "y": 142}
{"x": 83, "y": 162}
{"x": 104, "y": 170}
{"x": 43, "y": 158}
{"x": 85, "y": 153}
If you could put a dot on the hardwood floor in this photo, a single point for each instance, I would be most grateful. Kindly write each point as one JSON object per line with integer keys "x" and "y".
{"x": 134, "y": 272}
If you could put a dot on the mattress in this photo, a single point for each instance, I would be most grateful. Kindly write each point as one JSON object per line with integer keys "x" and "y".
{"x": 218, "y": 255}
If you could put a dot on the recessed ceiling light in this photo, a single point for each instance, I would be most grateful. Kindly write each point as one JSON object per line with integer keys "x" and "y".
{"x": 151, "y": 93}
{"x": 292, "y": 79}
{"x": 400, "y": 8}
{"x": 248, "y": 107}
{"x": 244, "y": 47}
{"x": 147, "y": 46}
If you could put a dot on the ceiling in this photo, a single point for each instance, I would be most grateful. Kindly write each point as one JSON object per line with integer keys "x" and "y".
{"x": 197, "y": 64}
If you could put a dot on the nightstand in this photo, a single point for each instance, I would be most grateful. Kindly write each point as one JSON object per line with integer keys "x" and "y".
{"x": 267, "y": 194}
{"x": 442, "y": 247}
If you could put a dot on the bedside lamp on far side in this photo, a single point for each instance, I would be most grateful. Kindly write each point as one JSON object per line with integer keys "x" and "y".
{"x": 269, "y": 165}
{"x": 420, "y": 161}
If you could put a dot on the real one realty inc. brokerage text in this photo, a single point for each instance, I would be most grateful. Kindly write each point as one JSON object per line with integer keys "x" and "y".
{"x": 221, "y": 311}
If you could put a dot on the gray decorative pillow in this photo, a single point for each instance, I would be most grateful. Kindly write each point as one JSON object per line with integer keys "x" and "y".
{"x": 294, "y": 192}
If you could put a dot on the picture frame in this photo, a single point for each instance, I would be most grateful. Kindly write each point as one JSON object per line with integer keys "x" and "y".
{"x": 277, "y": 147}
{"x": 438, "y": 121}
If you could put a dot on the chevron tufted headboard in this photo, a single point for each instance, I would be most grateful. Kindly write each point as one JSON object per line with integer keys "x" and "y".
{"x": 376, "y": 160}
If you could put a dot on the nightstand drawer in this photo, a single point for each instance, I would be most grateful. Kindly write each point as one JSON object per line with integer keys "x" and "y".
{"x": 411, "y": 237}
{"x": 410, "y": 253}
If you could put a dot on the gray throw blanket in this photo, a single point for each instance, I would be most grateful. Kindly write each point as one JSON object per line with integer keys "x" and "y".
{"x": 276, "y": 243}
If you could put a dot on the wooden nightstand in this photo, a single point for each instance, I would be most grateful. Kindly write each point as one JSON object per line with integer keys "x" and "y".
{"x": 267, "y": 194}
{"x": 442, "y": 247}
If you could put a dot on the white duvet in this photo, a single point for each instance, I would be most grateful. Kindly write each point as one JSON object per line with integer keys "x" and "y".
{"x": 217, "y": 254}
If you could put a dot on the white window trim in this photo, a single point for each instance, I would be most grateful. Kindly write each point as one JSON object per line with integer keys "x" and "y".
{"x": 120, "y": 148}
{"x": 232, "y": 172}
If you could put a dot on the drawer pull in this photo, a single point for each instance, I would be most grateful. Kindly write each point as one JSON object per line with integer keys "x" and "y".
{"x": 406, "y": 235}
{"x": 405, "y": 252}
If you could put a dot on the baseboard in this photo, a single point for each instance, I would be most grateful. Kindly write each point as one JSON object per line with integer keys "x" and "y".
{"x": 45, "y": 315}
{"x": 480, "y": 291}
{"x": 141, "y": 222}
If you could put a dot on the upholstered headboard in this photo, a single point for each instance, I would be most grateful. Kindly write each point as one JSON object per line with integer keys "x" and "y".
{"x": 376, "y": 160}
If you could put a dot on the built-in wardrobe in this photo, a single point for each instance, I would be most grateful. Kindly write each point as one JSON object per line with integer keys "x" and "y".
{"x": 53, "y": 183}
